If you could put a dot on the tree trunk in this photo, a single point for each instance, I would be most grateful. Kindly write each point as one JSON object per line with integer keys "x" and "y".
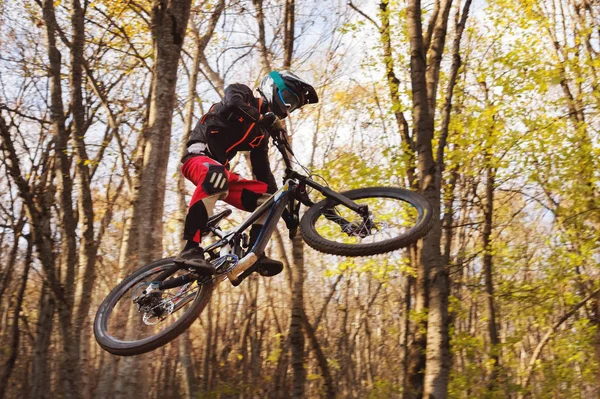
{"x": 424, "y": 73}
{"x": 38, "y": 211}
{"x": 15, "y": 333}
{"x": 416, "y": 351}
{"x": 262, "y": 41}
{"x": 189, "y": 378}
{"x": 40, "y": 379}
{"x": 88, "y": 246}
{"x": 296, "y": 333}
{"x": 596, "y": 343}
{"x": 321, "y": 359}
{"x": 488, "y": 275}
{"x": 405, "y": 327}
{"x": 394, "y": 88}
{"x": 65, "y": 294}
{"x": 169, "y": 24}
{"x": 7, "y": 270}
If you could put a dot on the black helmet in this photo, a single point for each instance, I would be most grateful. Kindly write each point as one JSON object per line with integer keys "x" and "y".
{"x": 286, "y": 92}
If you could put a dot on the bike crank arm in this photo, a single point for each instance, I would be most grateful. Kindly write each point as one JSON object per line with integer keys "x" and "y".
{"x": 239, "y": 272}
{"x": 223, "y": 265}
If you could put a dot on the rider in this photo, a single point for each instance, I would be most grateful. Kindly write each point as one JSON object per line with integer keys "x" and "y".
{"x": 240, "y": 122}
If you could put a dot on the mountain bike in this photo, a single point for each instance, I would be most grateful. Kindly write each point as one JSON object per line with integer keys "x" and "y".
{"x": 138, "y": 316}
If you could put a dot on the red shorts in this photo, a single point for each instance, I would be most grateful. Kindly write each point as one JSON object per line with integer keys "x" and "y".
{"x": 212, "y": 178}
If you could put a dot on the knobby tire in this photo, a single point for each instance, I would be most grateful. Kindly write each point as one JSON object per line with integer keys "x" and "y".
{"x": 130, "y": 348}
{"x": 420, "y": 228}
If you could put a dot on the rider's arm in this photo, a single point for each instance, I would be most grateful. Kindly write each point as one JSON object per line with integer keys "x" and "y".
{"x": 261, "y": 168}
{"x": 237, "y": 99}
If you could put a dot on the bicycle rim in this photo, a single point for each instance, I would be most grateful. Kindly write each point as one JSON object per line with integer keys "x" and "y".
{"x": 126, "y": 325}
{"x": 397, "y": 218}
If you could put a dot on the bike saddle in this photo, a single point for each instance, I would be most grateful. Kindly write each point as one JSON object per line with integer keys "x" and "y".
{"x": 214, "y": 220}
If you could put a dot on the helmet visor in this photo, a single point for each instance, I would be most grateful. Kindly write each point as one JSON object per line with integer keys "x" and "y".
{"x": 289, "y": 99}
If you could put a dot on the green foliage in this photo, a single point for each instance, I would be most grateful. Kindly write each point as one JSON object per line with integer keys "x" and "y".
{"x": 348, "y": 170}
{"x": 383, "y": 389}
{"x": 525, "y": 112}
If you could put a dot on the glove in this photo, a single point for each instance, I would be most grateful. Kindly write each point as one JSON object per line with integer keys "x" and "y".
{"x": 267, "y": 120}
{"x": 278, "y": 125}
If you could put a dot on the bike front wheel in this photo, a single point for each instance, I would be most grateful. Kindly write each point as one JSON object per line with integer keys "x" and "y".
{"x": 397, "y": 218}
{"x": 133, "y": 320}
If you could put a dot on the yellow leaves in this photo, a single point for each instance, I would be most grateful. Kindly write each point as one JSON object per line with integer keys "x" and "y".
{"x": 352, "y": 27}
{"x": 380, "y": 268}
{"x": 455, "y": 306}
{"x": 334, "y": 364}
{"x": 273, "y": 357}
{"x": 465, "y": 341}
{"x": 345, "y": 265}
{"x": 127, "y": 16}
{"x": 347, "y": 97}
{"x": 340, "y": 96}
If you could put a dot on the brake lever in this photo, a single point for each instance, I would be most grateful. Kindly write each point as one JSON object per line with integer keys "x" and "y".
{"x": 281, "y": 140}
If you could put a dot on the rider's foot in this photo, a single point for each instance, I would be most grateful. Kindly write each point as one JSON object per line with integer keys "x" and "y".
{"x": 268, "y": 267}
{"x": 194, "y": 258}
{"x": 264, "y": 266}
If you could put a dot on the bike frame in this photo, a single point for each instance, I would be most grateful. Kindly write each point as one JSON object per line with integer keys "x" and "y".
{"x": 293, "y": 190}
{"x": 230, "y": 241}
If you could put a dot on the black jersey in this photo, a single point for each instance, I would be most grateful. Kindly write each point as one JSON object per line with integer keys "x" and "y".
{"x": 231, "y": 126}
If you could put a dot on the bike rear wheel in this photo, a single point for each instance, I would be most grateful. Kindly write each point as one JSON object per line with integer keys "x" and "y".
{"x": 130, "y": 322}
{"x": 397, "y": 219}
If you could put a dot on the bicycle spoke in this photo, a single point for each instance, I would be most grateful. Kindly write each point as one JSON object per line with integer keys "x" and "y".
{"x": 138, "y": 315}
{"x": 390, "y": 218}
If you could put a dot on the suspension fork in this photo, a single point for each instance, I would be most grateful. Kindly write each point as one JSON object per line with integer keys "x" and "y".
{"x": 329, "y": 213}
{"x": 362, "y": 210}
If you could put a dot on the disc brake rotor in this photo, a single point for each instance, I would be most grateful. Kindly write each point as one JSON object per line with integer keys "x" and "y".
{"x": 164, "y": 309}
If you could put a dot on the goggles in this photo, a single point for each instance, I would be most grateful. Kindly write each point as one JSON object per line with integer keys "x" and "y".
{"x": 286, "y": 95}
{"x": 289, "y": 99}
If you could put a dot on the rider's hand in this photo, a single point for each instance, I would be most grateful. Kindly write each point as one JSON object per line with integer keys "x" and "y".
{"x": 278, "y": 125}
{"x": 267, "y": 119}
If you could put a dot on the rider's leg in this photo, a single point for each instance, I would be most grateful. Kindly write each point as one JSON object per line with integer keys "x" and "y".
{"x": 211, "y": 180}
{"x": 248, "y": 195}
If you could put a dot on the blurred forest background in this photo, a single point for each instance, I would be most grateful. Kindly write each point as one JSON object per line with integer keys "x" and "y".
{"x": 491, "y": 108}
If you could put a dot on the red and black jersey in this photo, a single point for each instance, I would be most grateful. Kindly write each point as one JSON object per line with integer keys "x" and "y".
{"x": 231, "y": 126}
